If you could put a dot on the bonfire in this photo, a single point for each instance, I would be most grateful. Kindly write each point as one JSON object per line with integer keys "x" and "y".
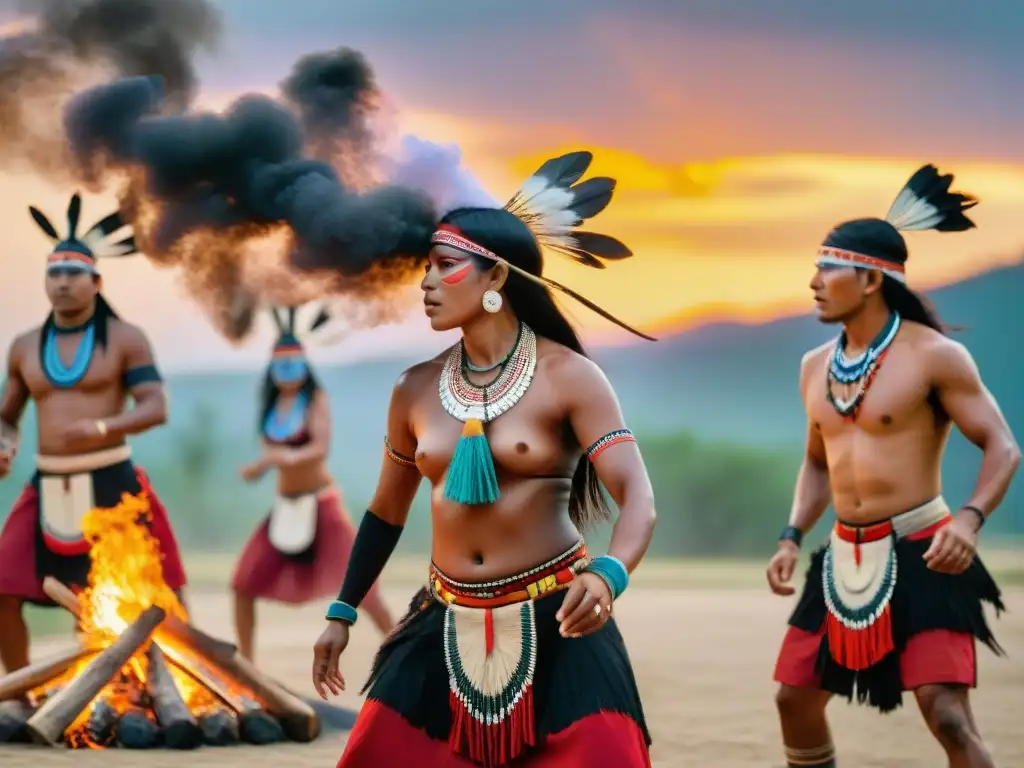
{"x": 141, "y": 675}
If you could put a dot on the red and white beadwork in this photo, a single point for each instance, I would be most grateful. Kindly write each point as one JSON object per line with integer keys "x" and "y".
{"x": 464, "y": 400}
{"x": 839, "y": 257}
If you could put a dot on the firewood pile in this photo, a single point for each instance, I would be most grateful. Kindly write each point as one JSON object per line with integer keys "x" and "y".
{"x": 141, "y": 675}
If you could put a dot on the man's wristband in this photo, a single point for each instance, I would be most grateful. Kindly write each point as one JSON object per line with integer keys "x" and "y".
{"x": 977, "y": 512}
{"x": 792, "y": 533}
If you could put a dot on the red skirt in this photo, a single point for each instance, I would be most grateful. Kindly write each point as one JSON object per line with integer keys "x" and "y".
{"x": 19, "y": 575}
{"x": 264, "y": 572}
{"x": 383, "y": 737}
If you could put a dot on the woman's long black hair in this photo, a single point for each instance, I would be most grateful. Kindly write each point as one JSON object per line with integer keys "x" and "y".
{"x": 506, "y": 235}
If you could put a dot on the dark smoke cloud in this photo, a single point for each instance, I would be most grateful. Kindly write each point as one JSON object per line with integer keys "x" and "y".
{"x": 207, "y": 189}
{"x": 65, "y": 45}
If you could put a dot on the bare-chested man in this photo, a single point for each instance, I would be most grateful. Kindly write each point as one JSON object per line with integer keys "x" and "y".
{"x": 894, "y": 602}
{"x": 78, "y": 368}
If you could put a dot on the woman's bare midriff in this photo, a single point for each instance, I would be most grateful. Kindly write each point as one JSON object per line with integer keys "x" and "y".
{"x": 303, "y": 479}
{"x": 527, "y": 526}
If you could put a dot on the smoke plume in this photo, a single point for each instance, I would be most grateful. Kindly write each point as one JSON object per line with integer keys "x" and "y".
{"x": 236, "y": 199}
{"x": 60, "y": 46}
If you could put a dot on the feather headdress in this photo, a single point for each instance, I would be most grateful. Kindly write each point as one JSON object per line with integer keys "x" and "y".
{"x": 314, "y": 323}
{"x": 97, "y": 242}
{"x": 552, "y": 203}
{"x": 925, "y": 202}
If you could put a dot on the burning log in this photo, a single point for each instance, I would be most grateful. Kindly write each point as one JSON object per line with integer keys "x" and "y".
{"x": 220, "y": 728}
{"x": 299, "y": 720}
{"x": 102, "y": 720}
{"x": 17, "y": 683}
{"x": 181, "y": 731}
{"x": 172, "y": 625}
{"x": 14, "y": 717}
{"x": 47, "y": 726}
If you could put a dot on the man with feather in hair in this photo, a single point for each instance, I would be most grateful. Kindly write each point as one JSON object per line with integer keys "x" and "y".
{"x": 510, "y": 655}
{"x": 300, "y": 550}
{"x": 894, "y": 601}
{"x": 79, "y": 368}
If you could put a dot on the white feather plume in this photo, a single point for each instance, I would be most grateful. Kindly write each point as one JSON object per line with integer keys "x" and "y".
{"x": 910, "y": 212}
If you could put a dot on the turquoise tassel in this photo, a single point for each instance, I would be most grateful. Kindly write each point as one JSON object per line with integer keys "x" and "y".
{"x": 471, "y": 475}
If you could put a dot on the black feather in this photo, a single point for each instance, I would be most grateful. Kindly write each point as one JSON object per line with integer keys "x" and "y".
{"x": 109, "y": 224}
{"x": 74, "y": 211}
{"x": 601, "y": 246}
{"x": 592, "y": 196}
{"x": 129, "y": 241}
{"x": 566, "y": 170}
{"x": 928, "y": 184}
{"x": 321, "y": 319}
{"x": 43, "y": 222}
{"x": 592, "y": 306}
{"x": 577, "y": 255}
{"x": 278, "y": 320}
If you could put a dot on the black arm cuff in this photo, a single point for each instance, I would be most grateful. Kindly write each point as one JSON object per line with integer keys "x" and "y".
{"x": 373, "y": 546}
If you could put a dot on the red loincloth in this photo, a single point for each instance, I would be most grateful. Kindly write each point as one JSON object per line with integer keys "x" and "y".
{"x": 934, "y": 657}
{"x": 264, "y": 572}
{"x": 18, "y": 576}
{"x": 381, "y": 737}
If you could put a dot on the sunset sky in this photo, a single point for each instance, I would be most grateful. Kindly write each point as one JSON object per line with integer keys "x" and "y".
{"x": 739, "y": 132}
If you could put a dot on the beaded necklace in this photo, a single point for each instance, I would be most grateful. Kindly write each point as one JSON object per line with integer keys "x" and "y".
{"x": 68, "y": 376}
{"x": 861, "y": 369}
{"x": 471, "y": 475}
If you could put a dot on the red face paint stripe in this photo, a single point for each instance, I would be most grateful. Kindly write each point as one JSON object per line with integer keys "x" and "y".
{"x": 458, "y": 275}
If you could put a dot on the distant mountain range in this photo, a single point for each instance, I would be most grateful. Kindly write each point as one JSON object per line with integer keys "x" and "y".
{"x": 727, "y": 382}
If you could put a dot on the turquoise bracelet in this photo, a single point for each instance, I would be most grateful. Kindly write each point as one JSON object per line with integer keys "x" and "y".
{"x": 339, "y": 611}
{"x": 612, "y": 570}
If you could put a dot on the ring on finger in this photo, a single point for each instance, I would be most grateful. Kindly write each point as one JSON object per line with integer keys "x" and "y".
{"x": 598, "y": 608}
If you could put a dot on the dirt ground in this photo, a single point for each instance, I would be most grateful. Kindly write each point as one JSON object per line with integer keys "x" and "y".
{"x": 703, "y": 658}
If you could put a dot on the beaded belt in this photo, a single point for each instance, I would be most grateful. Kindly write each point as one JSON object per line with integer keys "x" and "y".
{"x": 551, "y": 576}
{"x": 919, "y": 523}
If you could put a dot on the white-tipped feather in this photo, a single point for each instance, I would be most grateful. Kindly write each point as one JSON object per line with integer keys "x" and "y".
{"x": 909, "y": 212}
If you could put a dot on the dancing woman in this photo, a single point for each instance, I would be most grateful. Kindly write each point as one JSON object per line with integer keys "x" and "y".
{"x": 300, "y": 550}
{"x": 511, "y": 652}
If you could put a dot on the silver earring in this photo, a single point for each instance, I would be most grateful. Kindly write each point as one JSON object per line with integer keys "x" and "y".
{"x": 491, "y": 301}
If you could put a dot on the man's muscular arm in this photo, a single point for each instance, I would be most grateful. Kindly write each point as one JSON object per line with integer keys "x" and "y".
{"x": 148, "y": 391}
{"x": 15, "y": 394}
{"x": 976, "y": 414}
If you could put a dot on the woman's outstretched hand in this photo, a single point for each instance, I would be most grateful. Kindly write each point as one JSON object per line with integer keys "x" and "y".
{"x": 326, "y": 654}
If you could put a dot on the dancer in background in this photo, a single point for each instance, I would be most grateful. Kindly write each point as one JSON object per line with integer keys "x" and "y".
{"x": 511, "y": 655}
{"x": 894, "y": 601}
{"x": 300, "y": 550}
{"x": 79, "y": 368}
